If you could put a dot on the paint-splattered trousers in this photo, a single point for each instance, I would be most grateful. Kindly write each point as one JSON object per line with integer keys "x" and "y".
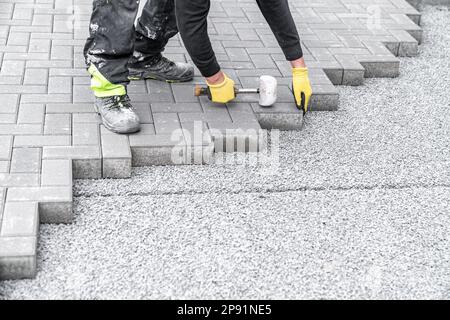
{"x": 113, "y": 36}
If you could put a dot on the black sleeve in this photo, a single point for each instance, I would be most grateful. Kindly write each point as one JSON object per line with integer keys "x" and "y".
{"x": 192, "y": 24}
{"x": 279, "y": 17}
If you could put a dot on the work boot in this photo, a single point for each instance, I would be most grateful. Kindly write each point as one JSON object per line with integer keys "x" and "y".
{"x": 159, "y": 68}
{"x": 118, "y": 115}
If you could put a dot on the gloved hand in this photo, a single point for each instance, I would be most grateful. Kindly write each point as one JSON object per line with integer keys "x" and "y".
{"x": 222, "y": 92}
{"x": 301, "y": 87}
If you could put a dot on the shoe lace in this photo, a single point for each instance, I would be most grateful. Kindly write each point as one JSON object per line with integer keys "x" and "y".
{"x": 118, "y": 102}
{"x": 165, "y": 63}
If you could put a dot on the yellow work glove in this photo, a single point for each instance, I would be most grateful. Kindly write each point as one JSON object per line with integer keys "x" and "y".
{"x": 301, "y": 87}
{"x": 222, "y": 92}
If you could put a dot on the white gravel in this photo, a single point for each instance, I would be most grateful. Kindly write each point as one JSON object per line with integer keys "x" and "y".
{"x": 359, "y": 208}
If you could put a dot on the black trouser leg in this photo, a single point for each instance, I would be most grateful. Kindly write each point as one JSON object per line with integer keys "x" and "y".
{"x": 111, "y": 41}
{"x": 155, "y": 27}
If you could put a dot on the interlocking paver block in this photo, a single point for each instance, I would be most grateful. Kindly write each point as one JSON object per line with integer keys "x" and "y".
{"x": 158, "y": 149}
{"x": 85, "y": 134}
{"x": 116, "y": 154}
{"x": 57, "y": 124}
{"x": 26, "y": 160}
{"x": 166, "y": 123}
{"x": 41, "y": 141}
{"x": 36, "y": 76}
{"x": 50, "y": 133}
{"x": 55, "y": 203}
{"x": 144, "y": 112}
{"x": 20, "y": 219}
{"x": 56, "y": 172}
{"x": 87, "y": 160}
{"x": 4, "y": 166}
{"x": 236, "y": 137}
{"x": 9, "y": 103}
{"x": 199, "y": 142}
{"x": 17, "y": 257}
{"x": 6, "y": 147}
{"x": 31, "y": 113}
{"x": 283, "y": 116}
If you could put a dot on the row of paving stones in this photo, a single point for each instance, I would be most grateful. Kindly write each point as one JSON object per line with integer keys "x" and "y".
{"x": 50, "y": 134}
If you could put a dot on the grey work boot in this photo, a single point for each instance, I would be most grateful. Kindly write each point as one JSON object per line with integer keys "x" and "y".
{"x": 117, "y": 113}
{"x": 159, "y": 68}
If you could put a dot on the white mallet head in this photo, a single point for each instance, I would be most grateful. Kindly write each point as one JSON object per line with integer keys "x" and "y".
{"x": 267, "y": 91}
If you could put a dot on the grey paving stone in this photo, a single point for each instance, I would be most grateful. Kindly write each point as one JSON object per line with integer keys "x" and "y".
{"x": 20, "y": 220}
{"x": 12, "y": 68}
{"x": 380, "y": 66}
{"x": 2, "y": 201}
{"x": 17, "y": 257}
{"x": 62, "y": 52}
{"x": 31, "y": 113}
{"x": 158, "y": 149}
{"x": 45, "y": 98}
{"x": 19, "y": 179}
{"x": 9, "y": 103}
{"x": 116, "y": 154}
{"x": 183, "y": 93}
{"x": 42, "y": 20}
{"x": 199, "y": 142}
{"x": 60, "y": 85}
{"x": 144, "y": 112}
{"x": 408, "y": 46}
{"x": 41, "y": 140}
{"x": 212, "y": 115}
{"x": 155, "y": 140}
{"x": 85, "y": 118}
{"x": 4, "y": 166}
{"x": 241, "y": 112}
{"x": 166, "y": 123}
{"x": 36, "y": 76}
{"x": 160, "y": 91}
{"x": 55, "y": 203}
{"x": 324, "y": 102}
{"x": 26, "y": 160}
{"x": 159, "y": 107}
{"x": 9, "y": 118}
{"x": 56, "y": 172}
{"x": 236, "y": 137}
{"x": 6, "y": 147}
{"x": 238, "y": 54}
{"x": 281, "y": 116}
{"x": 85, "y": 134}
{"x": 82, "y": 94}
{"x": 87, "y": 160}
{"x": 353, "y": 71}
{"x": 21, "y": 129}
{"x": 57, "y": 124}
{"x": 280, "y": 121}
{"x": 262, "y": 61}
{"x": 69, "y": 108}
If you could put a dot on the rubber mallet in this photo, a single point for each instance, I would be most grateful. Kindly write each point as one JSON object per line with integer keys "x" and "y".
{"x": 267, "y": 91}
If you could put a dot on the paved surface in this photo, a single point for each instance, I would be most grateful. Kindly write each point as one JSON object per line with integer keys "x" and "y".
{"x": 359, "y": 208}
{"x": 50, "y": 134}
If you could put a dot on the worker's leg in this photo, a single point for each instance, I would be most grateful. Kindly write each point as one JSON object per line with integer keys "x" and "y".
{"x": 107, "y": 52}
{"x": 110, "y": 45}
{"x": 154, "y": 28}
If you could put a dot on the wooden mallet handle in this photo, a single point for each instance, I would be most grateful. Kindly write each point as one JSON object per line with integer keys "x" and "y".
{"x": 200, "y": 91}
